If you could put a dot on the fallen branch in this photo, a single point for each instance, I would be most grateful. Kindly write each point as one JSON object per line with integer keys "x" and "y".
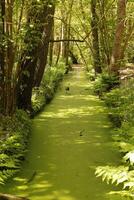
{"x": 11, "y": 197}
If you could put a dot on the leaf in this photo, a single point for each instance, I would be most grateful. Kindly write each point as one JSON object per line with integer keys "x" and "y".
{"x": 129, "y": 156}
{"x": 129, "y": 184}
{"x": 114, "y": 174}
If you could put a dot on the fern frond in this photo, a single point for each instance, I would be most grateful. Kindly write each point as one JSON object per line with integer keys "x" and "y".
{"x": 125, "y": 146}
{"x": 129, "y": 157}
{"x": 112, "y": 174}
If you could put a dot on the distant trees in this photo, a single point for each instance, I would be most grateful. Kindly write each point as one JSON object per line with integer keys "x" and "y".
{"x": 112, "y": 28}
{"x": 98, "y": 31}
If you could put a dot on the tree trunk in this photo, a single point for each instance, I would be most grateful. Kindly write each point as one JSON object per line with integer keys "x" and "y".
{"x": 2, "y": 12}
{"x": 58, "y": 52}
{"x": 25, "y": 82}
{"x": 95, "y": 38}
{"x": 51, "y": 45}
{"x": 117, "y": 53}
{"x": 30, "y": 56}
{"x": 44, "y": 46}
{"x": 6, "y": 58}
{"x": 105, "y": 42}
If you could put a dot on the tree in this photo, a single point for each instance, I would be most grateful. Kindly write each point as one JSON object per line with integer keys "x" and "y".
{"x": 117, "y": 52}
{"x": 95, "y": 38}
{"x": 6, "y": 57}
{"x": 44, "y": 45}
{"x": 36, "y": 42}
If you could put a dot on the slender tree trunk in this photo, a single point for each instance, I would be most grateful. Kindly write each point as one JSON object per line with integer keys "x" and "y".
{"x": 6, "y": 58}
{"x": 117, "y": 53}
{"x": 94, "y": 28}
{"x": 68, "y": 30}
{"x": 51, "y": 45}
{"x": 2, "y": 12}
{"x": 104, "y": 37}
{"x": 9, "y": 58}
{"x": 58, "y": 49}
{"x": 62, "y": 37}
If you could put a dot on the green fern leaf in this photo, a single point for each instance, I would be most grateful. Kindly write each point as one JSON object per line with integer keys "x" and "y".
{"x": 129, "y": 156}
{"x": 113, "y": 174}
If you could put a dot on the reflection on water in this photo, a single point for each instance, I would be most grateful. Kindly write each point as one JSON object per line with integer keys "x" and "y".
{"x": 70, "y": 138}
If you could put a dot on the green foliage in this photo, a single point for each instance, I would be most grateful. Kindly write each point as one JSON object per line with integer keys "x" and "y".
{"x": 113, "y": 174}
{"x": 118, "y": 175}
{"x": 105, "y": 83}
{"x": 13, "y": 143}
{"x": 121, "y": 106}
{"x": 120, "y": 103}
{"x": 43, "y": 94}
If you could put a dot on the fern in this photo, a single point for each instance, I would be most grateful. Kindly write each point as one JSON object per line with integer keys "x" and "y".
{"x": 118, "y": 175}
{"x": 112, "y": 174}
{"x": 129, "y": 157}
{"x": 125, "y": 147}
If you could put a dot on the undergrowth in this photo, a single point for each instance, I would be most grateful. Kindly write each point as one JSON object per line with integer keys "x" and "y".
{"x": 120, "y": 101}
{"x": 13, "y": 142}
{"x": 104, "y": 83}
{"x": 43, "y": 95}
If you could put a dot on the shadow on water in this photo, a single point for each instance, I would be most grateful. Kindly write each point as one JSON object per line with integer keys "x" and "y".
{"x": 70, "y": 138}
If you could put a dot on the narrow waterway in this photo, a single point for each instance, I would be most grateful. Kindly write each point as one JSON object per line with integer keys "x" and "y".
{"x": 70, "y": 138}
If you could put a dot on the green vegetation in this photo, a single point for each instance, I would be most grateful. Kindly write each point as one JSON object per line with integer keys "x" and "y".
{"x": 67, "y": 144}
{"x": 15, "y": 130}
{"x": 13, "y": 143}
{"x": 40, "y": 41}
{"x": 43, "y": 94}
{"x": 120, "y": 102}
{"x": 105, "y": 83}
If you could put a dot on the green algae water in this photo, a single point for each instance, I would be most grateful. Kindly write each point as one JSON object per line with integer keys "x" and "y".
{"x": 69, "y": 139}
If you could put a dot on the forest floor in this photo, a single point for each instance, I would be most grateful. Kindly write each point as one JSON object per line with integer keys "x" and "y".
{"x": 70, "y": 138}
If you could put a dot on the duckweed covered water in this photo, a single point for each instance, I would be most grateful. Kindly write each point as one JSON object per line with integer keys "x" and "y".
{"x": 70, "y": 138}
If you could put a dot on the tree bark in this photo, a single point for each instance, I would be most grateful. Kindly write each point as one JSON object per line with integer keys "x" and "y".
{"x": 95, "y": 38}
{"x": 30, "y": 56}
{"x": 44, "y": 46}
{"x": 2, "y": 11}
{"x": 25, "y": 82}
{"x": 51, "y": 45}
{"x": 6, "y": 58}
{"x": 117, "y": 53}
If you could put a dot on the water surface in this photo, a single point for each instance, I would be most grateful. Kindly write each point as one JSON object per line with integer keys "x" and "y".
{"x": 70, "y": 138}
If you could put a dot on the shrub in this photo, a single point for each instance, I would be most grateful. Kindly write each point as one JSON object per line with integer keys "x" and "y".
{"x": 121, "y": 104}
{"x": 42, "y": 95}
{"x": 104, "y": 83}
